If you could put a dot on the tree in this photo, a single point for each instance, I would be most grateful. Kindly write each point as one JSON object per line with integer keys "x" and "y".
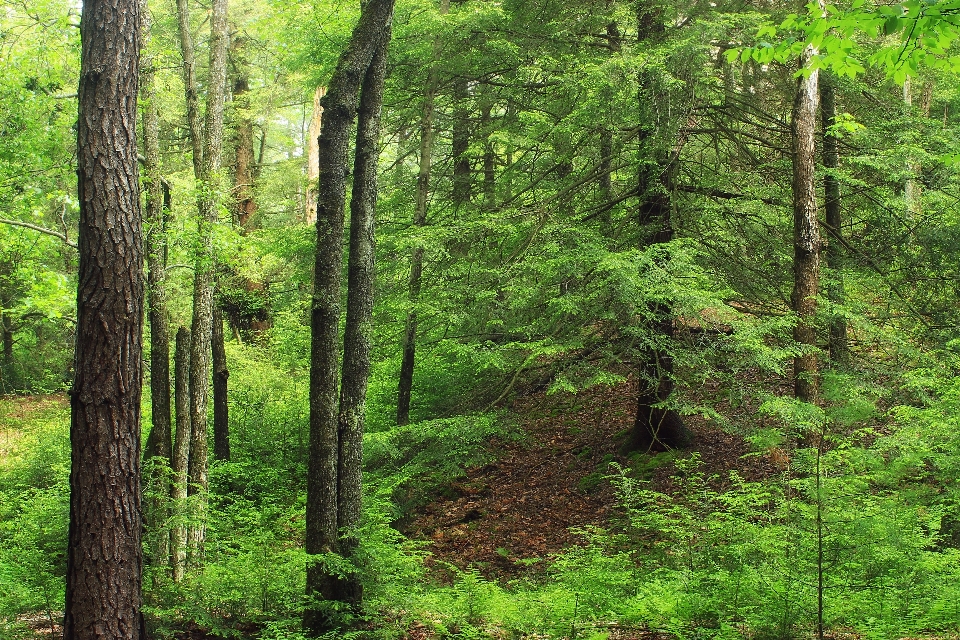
{"x": 104, "y": 561}
{"x": 806, "y": 231}
{"x": 409, "y": 345}
{"x": 336, "y": 424}
{"x": 207, "y": 144}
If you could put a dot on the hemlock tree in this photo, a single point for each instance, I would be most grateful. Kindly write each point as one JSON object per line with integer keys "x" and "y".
{"x": 104, "y": 556}
{"x": 336, "y": 421}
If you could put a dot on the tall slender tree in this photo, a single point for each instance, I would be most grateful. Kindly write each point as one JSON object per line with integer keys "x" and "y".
{"x": 104, "y": 555}
{"x": 422, "y": 200}
{"x": 207, "y": 144}
{"x": 333, "y": 488}
{"x": 806, "y": 231}
{"x": 831, "y": 205}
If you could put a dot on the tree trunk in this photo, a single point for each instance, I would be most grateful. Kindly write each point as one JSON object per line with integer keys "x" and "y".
{"x": 8, "y": 374}
{"x": 158, "y": 442}
{"x": 104, "y": 555}
{"x": 179, "y": 463}
{"x": 834, "y": 249}
{"x": 358, "y": 330}
{"x": 462, "y": 186}
{"x": 654, "y": 428}
{"x": 206, "y": 170}
{"x": 221, "y": 424}
{"x": 190, "y": 86}
{"x": 489, "y": 159}
{"x": 405, "y": 387}
{"x": 340, "y": 105}
{"x": 806, "y": 234}
{"x": 244, "y": 174}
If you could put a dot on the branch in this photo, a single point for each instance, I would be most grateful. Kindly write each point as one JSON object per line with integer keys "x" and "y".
{"x": 49, "y": 232}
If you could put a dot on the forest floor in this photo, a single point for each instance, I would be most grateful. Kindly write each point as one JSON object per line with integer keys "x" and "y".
{"x": 505, "y": 517}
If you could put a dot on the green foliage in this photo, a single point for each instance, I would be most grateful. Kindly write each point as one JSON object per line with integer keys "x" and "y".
{"x": 34, "y": 504}
{"x": 407, "y": 464}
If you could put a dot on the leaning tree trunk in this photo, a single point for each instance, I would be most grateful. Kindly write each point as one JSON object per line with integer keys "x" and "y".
{"x": 806, "y": 234}
{"x": 834, "y": 250}
{"x": 405, "y": 386}
{"x": 340, "y": 105}
{"x": 179, "y": 463}
{"x": 104, "y": 554}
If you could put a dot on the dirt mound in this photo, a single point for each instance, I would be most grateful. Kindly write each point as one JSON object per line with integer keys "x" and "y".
{"x": 505, "y": 517}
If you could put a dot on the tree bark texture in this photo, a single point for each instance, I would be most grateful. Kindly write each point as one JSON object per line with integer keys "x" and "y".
{"x": 834, "y": 250}
{"x": 221, "y": 423}
{"x": 104, "y": 556}
{"x": 179, "y": 463}
{"x": 340, "y": 105}
{"x": 358, "y": 330}
{"x": 806, "y": 234}
{"x": 409, "y": 348}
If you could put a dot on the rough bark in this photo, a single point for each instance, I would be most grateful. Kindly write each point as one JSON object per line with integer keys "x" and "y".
{"x": 405, "y": 386}
{"x": 221, "y": 423}
{"x": 340, "y": 105}
{"x": 834, "y": 248}
{"x": 104, "y": 555}
{"x": 806, "y": 234}
{"x": 358, "y": 330}
{"x": 179, "y": 463}
{"x": 190, "y": 86}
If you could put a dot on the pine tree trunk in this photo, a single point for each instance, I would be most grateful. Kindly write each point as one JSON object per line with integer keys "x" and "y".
{"x": 806, "y": 234}
{"x": 221, "y": 423}
{"x": 179, "y": 463}
{"x": 340, "y": 105}
{"x": 104, "y": 554}
{"x": 834, "y": 249}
